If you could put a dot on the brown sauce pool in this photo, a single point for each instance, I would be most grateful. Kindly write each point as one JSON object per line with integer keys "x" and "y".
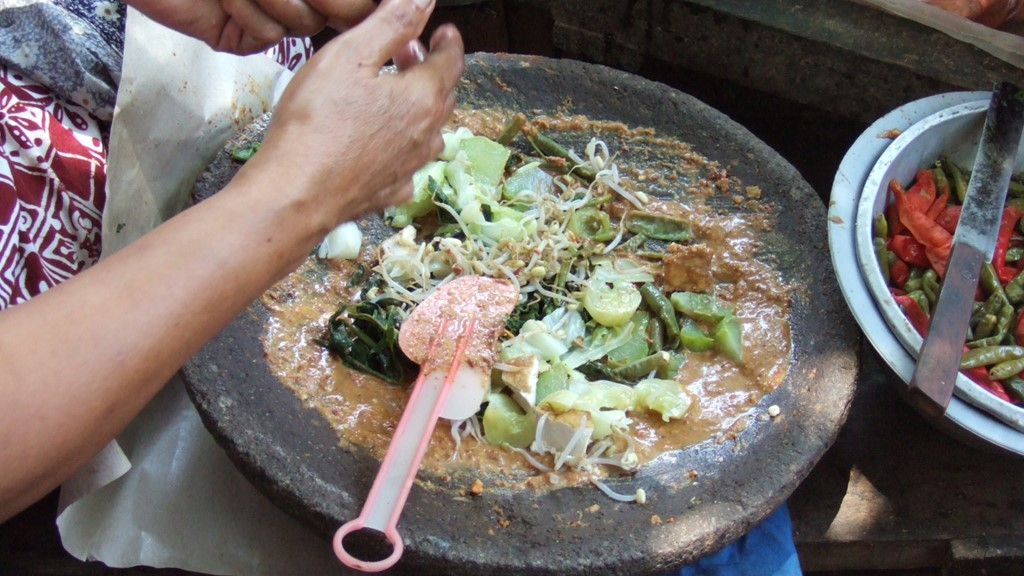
{"x": 364, "y": 411}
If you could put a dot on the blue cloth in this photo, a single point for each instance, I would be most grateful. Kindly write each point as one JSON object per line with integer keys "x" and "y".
{"x": 767, "y": 550}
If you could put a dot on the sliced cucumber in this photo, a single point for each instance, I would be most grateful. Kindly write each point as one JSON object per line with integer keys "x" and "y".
{"x": 611, "y": 304}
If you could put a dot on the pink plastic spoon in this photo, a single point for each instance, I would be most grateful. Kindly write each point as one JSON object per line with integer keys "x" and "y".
{"x": 464, "y": 308}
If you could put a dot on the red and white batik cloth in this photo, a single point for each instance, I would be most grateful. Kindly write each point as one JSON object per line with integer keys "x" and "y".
{"x": 52, "y": 179}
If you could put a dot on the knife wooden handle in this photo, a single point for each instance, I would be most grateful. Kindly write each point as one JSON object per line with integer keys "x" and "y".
{"x": 931, "y": 386}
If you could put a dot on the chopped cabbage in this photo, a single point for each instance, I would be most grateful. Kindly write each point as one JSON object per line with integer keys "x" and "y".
{"x": 506, "y": 423}
{"x": 422, "y": 201}
{"x": 666, "y": 397}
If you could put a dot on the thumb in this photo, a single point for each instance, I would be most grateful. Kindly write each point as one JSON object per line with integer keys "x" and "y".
{"x": 388, "y": 30}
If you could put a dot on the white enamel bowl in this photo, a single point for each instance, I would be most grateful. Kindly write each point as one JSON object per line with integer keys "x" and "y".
{"x": 953, "y": 133}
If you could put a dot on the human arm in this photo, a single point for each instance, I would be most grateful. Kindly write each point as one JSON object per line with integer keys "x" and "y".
{"x": 992, "y": 13}
{"x": 81, "y": 360}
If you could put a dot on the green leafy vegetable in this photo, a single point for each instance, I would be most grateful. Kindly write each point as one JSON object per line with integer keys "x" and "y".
{"x": 244, "y": 153}
{"x": 658, "y": 226}
{"x": 365, "y": 338}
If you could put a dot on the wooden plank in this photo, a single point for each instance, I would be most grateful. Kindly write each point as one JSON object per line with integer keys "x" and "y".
{"x": 846, "y": 58}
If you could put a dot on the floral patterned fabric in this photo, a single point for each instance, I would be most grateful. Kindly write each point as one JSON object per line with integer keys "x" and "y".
{"x": 60, "y": 63}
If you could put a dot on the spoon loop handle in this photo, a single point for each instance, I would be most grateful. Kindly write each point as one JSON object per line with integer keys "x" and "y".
{"x": 398, "y": 470}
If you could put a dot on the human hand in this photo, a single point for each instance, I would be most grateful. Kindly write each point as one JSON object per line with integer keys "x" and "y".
{"x": 251, "y": 26}
{"x": 993, "y": 13}
{"x": 348, "y": 137}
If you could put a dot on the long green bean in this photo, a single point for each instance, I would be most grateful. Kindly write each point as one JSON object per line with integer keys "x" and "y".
{"x": 662, "y": 308}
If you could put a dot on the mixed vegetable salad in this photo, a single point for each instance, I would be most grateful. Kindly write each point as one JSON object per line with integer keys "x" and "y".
{"x": 599, "y": 334}
{"x": 912, "y": 241}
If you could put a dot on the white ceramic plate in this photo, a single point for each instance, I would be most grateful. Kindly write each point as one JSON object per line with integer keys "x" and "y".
{"x": 962, "y": 419}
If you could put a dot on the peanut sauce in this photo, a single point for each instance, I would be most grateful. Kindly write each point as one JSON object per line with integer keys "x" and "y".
{"x": 364, "y": 410}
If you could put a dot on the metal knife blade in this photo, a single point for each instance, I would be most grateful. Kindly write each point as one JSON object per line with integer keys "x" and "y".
{"x": 938, "y": 364}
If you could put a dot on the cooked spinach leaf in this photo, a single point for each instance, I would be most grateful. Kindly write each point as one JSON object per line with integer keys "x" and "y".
{"x": 365, "y": 337}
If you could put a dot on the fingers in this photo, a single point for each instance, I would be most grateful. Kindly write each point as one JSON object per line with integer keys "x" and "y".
{"x": 297, "y": 17}
{"x": 412, "y": 54}
{"x": 388, "y": 31}
{"x": 249, "y": 29}
{"x": 255, "y": 25}
{"x": 343, "y": 14}
{"x": 446, "y": 61}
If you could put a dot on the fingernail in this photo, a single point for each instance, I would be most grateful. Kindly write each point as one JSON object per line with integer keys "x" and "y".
{"x": 416, "y": 49}
{"x": 423, "y": 4}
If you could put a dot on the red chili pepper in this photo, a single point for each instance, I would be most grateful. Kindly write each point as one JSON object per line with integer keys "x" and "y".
{"x": 922, "y": 192}
{"x": 949, "y": 217}
{"x": 909, "y": 250}
{"x": 918, "y": 319}
{"x": 939, "y": 205}
{"x": 1005, "y": 272}
{"x": 936, "y": 239}
{"x": 892, "y": 212}
{"x": 1018, "y": 330}
{"x": 899, "y": 272}
{"x": 979, "y": 376}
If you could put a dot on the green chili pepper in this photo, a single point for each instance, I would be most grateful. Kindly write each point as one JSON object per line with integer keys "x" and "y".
{"x": 1005, "y": 317}
{"x": 693, "y": 337}
{"x": 662, "y": 308}
{"x": 598, "y": 371}
{"x": 597, "y": 201}
{"x": 992, "y": 286}
{"x": 1006, "y": 369}
{"x": 699, "y": 306}
{"x": 922, "y": 301}
{"x": 986, "y": 326}
{"x": 882, "y": 255}
{"x": 1014, "y": 289}
{"x": 671, "y": 368}
{"x": 656, "y": 334}
{"x": 985, "y": 342}
{"x": 994, "y": 303}
{"x": 658, "y": 226}
{"x": 913, "y": 279}
{"x": 591, "y": 223}
{"x": 956, "y": 178}
{"x": 1014, "y": 387}
{"x": 930, "y": 285}
{"x": 728, "y": 336}
{"x": 547, "y": 147}
{"x": 633, "y": 244}
{"x": 941, "y": 182}
{"x": 1016, "y": 188}
{"x": 880, "y": 227}
{"x": 989, "y": 355}
{"x": 1014, "y": 253}
{"x": 512, "y": 128}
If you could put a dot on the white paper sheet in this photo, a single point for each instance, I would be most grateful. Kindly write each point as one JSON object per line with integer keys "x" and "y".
{"x": 180, "y": 503}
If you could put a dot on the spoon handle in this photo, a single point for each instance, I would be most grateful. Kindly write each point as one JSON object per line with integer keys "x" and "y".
{"x": 394, "y": 478}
